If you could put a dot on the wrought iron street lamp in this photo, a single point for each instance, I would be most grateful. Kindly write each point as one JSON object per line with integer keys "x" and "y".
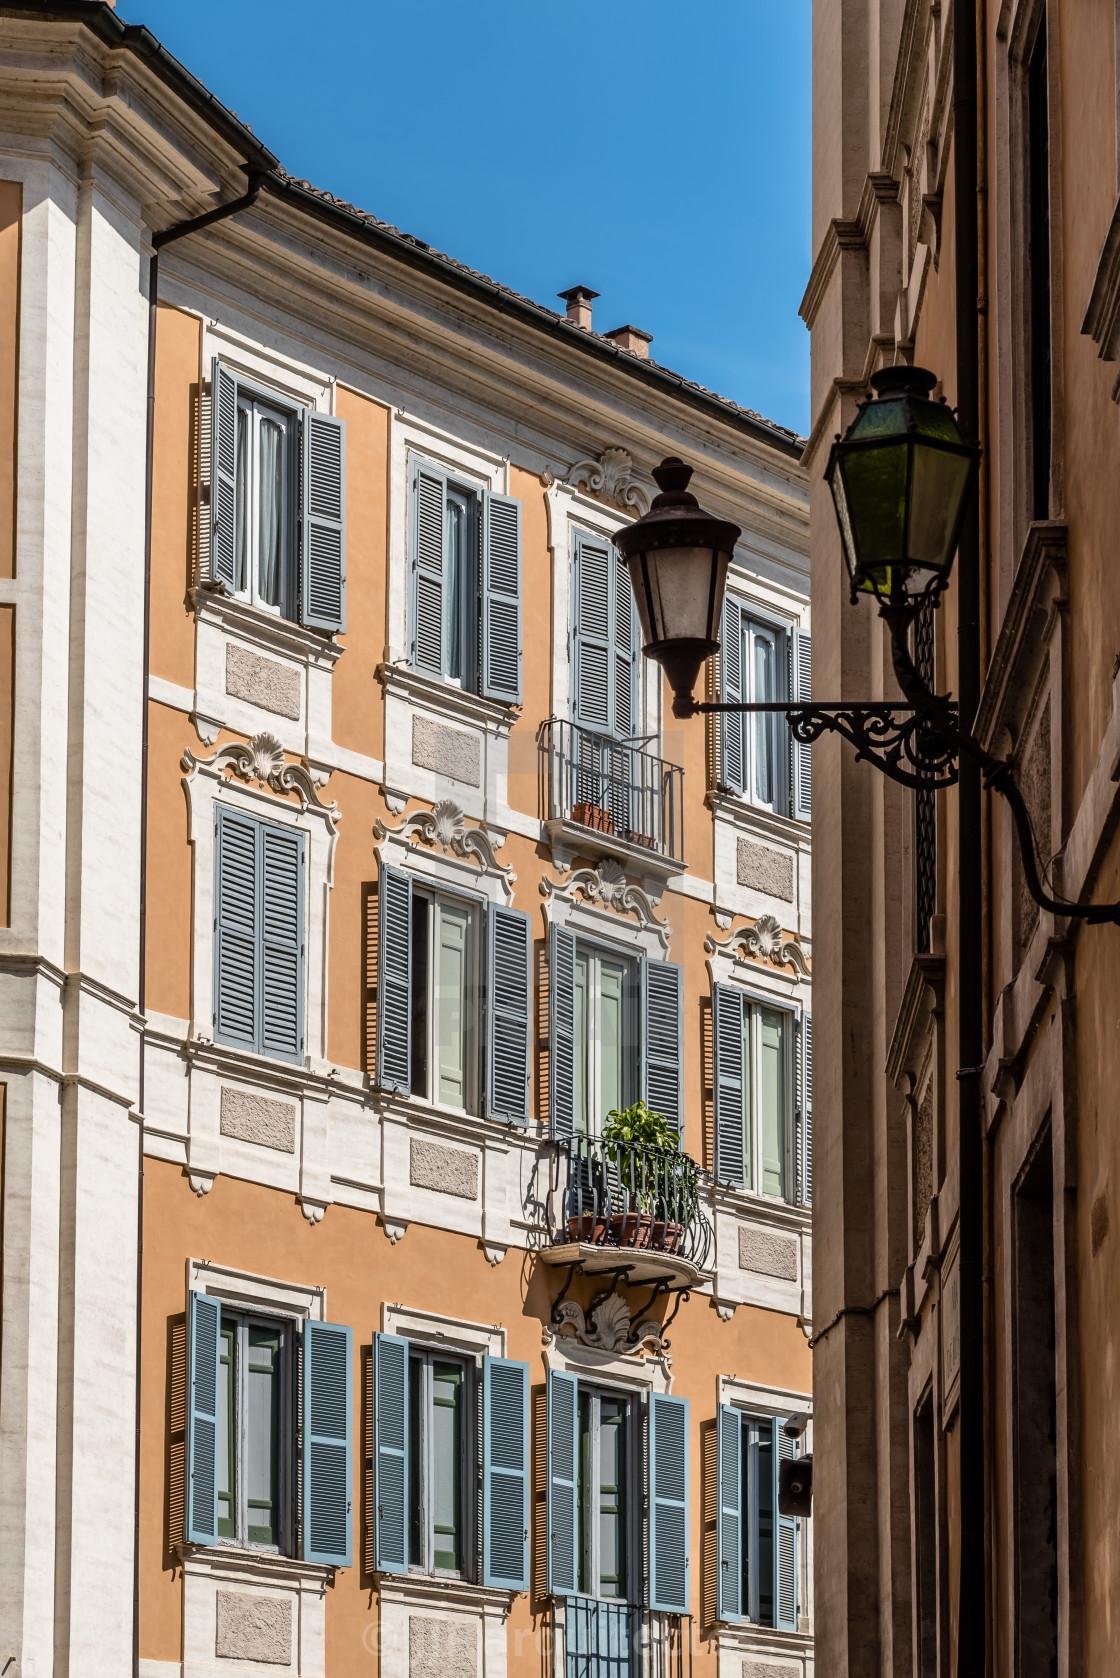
{"x": 901, "y": 478}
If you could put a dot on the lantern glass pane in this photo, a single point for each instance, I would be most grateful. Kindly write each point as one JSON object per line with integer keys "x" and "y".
{"x": 883, "y": 418}
{"x": 680, "y": 583}
{"x": 937, "y": 490}
{"x": 836, "y": 485}
{"x": 875, "y": 485}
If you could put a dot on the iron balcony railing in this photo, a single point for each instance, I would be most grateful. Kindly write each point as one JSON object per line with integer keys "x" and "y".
{"x": 591, "y": 1639}
{"x": 625, "y": 1195}
{"x": 611, "y": 787}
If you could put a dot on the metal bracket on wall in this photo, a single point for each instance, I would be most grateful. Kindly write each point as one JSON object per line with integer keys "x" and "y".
{"x": 575, "y": 1269}
{"x": 901, "y": 740}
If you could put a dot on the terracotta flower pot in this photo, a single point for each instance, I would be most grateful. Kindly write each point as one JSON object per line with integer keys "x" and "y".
{"x": 589, "y": 1228}
{"x": 631, "y": 1229}
{"x": 593, "y": 815}
{"x": 666, "y": 1237}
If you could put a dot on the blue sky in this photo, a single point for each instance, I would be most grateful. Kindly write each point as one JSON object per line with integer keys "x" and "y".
{"x": 655, "y": 152}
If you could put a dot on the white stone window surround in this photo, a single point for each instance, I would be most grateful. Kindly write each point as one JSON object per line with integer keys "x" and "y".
{"x": 206, "y": 784}
{"x": 756, "y": 1399}
{"x": 444, "y": 706}
{"x": 570, "y": 510}
{"x": 224, "y": 1568}
{"x": 438, "y": 1333}
{"x": 634, "y": 1375}
{"x": 735, "y": 818}
{"x": 281, "y": 652}
{"x": 440, "y": 1627}
{"x": 575, "y": 901}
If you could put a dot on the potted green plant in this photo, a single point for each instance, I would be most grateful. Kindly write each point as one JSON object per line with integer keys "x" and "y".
{"x": 656, "y": 1187}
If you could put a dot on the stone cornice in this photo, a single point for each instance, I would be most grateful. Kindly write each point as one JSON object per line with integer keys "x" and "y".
{"x": 1039, "y": 590}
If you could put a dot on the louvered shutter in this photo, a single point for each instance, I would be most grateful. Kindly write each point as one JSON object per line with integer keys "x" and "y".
{"x": 282, "y": 942}
{"x": 205, "y": 1323}
{"x": 322, "y": 553}
{"x": 806, "y": 1097}
{"x": 728, "y": 1084}
{"x": 429, "y": 525}
{"x": 668, "y": 1497}
{"x": 326, "y": 1444}
{"x": 592, "y": 650}
{"x": 505, "y": 1474}
{"x": 509, "y": 1002}
{"x": 394, "y": 979}
{"x": 562, "y": 1420}
{"x": 561, "y": 1032}
{"x": 223, "y": 476}
{"x": 501, "y": 598}
{"x": 785, "y": 1557}
{"x": 729, "y": 1516}
{"x": 390, "y": 1452}
{"x": 662, "y": 1031}
{"x": 732, "y": 769}
{"x": 236, "y": 940}
{"x": 801, "y": 691}
{"x": 626, "y": 652}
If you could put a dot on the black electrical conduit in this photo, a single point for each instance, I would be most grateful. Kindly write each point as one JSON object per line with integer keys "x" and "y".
{"x": 159, "y": 240}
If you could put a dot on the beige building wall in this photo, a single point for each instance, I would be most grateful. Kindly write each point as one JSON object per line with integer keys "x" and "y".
{"x": 887, "y": 1468}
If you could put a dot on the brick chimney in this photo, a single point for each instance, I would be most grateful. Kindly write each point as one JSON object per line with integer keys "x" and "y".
{"x": 579, "y": 300}
{"x": 631, "y": 338}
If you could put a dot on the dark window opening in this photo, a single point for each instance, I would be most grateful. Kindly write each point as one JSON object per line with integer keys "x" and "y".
{"x": 1034, "y": 1420}
{"x": 925, "y": 1534}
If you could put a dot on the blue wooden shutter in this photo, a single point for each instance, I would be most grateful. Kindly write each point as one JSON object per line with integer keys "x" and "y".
{"x": 563, "y": 1417}
{"x": 509, "y": 1004}
{"x": 282, "y": 941}
{"x": 592, "y": 636}
{"x": 429, "y": 525}
{"x": 801, "y": 691}
{"x": 390, "y": 1453}
{"x": 668, "y": 1495}
{"x": 223, "y": 476}
{"x": 236, "y": 928}
{"x": 322, "y": 551}
{"x": 729, "y": 1515}
{"x": 805, "y": 1095}
{"x": 394, "y": 979}
{"x": 626, "y": 652}
{"x": 662, "y": 1031}
{"x": 327, "y": 1469}
{"x": 505, "y": 1474}
{"x": 501, "y": 598}
{"x": 561, "y": 1032}
{"x": 785, "y": 1541}
{"x": 728, "y": 1075}
{"x": 732, "y": 769}
{"x": 205, "y": 1323}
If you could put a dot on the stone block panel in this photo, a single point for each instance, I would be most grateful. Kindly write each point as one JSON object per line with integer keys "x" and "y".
{"x": 446, "y": 1170}
{"x": 254, "y": 1628}
{"x": 764, "y": 869}
{"x": 768, "y": 1253}
{"x": 447, "y": 751}
{"x": 262, "y": 682}
{"x": 441, "y": 1648}
{"x": 257, "y": 1118}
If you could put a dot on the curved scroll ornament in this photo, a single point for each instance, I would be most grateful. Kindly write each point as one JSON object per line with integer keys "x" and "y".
{"x": 905, "y": 745}
{"x": 261, "y": 760}
{"x": 612, "y": 479}
{"x": 762, "y": 942}
{"x": 607, "y": 884}
{"x": 446, "y": 826}
{"x": 609, "y": 1329}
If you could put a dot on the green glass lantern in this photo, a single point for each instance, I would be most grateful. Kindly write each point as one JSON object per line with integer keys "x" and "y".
{"x": 900, "y": 480}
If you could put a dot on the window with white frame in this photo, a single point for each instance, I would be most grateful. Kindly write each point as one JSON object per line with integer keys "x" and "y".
{"x": 465, "y": 583}
{"x": 454, "y": 998}
{"x": 445, "y": 996}
{"x": 250, "y": 1379}
{"x": 254, "y": 1437}
{"x": 761, "y": 1077}
{"x": 603, "y": 1497}
{"x": 441, "y": 1392}
{"x": 763, "y": 662}
{"x": 450, "y": 1463}
{"x": 277, "y": 502}
{"x": 756, "y": 1550}
{"x": 605, "y": 1036}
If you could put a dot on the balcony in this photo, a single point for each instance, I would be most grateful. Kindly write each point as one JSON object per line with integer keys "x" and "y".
{"x": 604, "y": 798}
{"x": 620, "y": 1206}
{"x": 590, "y": 1639}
